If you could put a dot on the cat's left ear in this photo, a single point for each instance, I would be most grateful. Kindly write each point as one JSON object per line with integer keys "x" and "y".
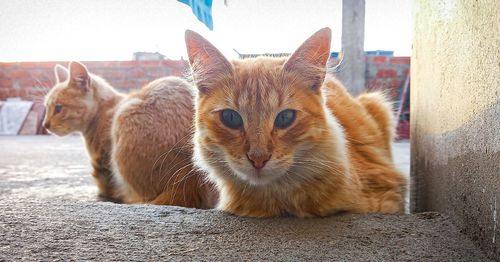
{"x": 309, "y": 60}
{"x": 79, "y": 76}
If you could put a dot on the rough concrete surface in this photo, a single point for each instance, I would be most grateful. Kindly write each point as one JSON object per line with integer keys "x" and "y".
{"x": 48, "y": 211}
{"x": 455, "y": 107}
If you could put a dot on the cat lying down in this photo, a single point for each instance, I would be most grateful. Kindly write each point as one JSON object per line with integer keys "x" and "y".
{"x": 139, "y": 144}
{"x": 281, "y": 137}
{"x": 152, "y": 149}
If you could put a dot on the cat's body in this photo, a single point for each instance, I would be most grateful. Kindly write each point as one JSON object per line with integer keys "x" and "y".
{"x": 85, "y": 103}
{"x": 280, "y": 137}
{"x": 152, "y": 149}
{"x": 154, "y": 162}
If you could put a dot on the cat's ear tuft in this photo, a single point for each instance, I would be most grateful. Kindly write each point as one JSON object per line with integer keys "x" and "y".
{"x": 207, "y": 62}
{"x": 61, "y": 73}
{"x": 79, "y": 76}
{"x": 309, "y": 60}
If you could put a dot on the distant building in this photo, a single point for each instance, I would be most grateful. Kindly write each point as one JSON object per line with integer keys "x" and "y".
{"x": 141, "y": 56}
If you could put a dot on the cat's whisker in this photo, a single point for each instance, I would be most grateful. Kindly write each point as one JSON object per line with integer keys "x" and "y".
{"x": 174, "y": 146}
{"x": 175, "y": 157}
{"x": 173, "y": 176}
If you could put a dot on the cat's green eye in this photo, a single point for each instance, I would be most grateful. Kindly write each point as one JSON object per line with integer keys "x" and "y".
{"x": 57, "y": 109}
{"x": 231, "y": 119}
{"x": 285, "y": 118}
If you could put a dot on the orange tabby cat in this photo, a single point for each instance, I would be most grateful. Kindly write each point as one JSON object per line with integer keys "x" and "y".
{"x": 152, "y": 148}
{"x": 279, "y": 136}
{"x": 85, "y": 103}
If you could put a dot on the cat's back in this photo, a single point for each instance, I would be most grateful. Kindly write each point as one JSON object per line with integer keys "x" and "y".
{"x": 166, "y": 89}
{"x": 151, "y": 129}
{"x": 161, "y": 110}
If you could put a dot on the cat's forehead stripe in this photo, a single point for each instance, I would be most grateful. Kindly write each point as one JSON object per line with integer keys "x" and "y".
{"x": 259, "y": 100}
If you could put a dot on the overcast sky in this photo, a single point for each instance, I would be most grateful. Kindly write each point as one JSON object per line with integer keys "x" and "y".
{"x": 114, "y": 29}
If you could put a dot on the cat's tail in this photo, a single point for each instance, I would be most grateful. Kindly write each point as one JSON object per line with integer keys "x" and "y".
{"x": 380, "y": 109}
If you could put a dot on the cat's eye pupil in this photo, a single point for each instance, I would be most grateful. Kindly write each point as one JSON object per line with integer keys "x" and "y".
{"x": 57, "y": 108}
{"x": 285, "y": 118}
{"x": 231, "y": 118}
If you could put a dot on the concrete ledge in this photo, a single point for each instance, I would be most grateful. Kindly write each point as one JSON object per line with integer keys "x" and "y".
{"x": 38, "y": 230}
{"x": 48, "y": 211}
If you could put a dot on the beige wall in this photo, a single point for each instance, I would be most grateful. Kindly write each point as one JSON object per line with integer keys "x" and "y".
{"x": 455, "y": 105}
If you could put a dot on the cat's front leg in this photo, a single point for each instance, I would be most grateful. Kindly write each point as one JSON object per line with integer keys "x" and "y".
{"x": 103, "y": 180}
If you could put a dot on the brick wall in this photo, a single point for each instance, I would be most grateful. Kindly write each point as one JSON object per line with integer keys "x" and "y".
{"x": 387, "y": 73}
{"x": 31, "y": 80}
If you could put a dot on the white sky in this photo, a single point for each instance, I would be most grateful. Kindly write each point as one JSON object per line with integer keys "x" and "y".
{"x": 114, "y": 29}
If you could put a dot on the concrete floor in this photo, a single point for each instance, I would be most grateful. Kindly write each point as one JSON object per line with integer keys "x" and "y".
{"x": 48, "y": 211}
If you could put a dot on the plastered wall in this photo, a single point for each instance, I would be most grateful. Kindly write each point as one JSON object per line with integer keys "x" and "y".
{"x": 455, "y": 121}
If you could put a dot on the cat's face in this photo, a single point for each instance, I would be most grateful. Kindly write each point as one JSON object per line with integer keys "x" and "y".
{"x": 257, "y": 118}
{"x": 69, "y": 103}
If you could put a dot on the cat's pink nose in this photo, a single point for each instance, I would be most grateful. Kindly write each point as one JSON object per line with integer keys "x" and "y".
{"x": 258, "y": 160}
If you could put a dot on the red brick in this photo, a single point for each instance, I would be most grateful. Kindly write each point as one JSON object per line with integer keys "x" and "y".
{"x": 137, "y": 73}
{"x": 28, "y": 82}
{"x": 5, "y": 83}
{"x": 386, "y": 73}
{"x": 142, "y": 83}
{"x": 379, "y": 59}
{"x": 396, "y": 83}
{"x": 101, "y": 64}
{"x": 17, "y": 93}
{"x": 19, "y": 74}
{"x": 116, "y": 73}
{"x": 175, "y": 63}
{"x": 4, "y": 93}
{"x": 125, "y": 84}
{"x": 10, "y": 65}
{"x": 50, "y": 65}
{"x": 375, "y": 84}
{"x": 45, "y": 83}
{"x": 403, "y": 130}
{"x": 91, "y": 64}
{"x": 178, "y": 72}
{"x": 29, "y": 65}
{"x": 400, "y": 60}
{"x": 37, "y": 94}
{"x": 393, "y": 93}
{"x": 35, "y": 81}
{"x": 128, "y": 63}
{"x": 150, "y": 63}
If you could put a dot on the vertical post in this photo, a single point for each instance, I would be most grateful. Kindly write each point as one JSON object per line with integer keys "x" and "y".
{"x": 352, "y": 72}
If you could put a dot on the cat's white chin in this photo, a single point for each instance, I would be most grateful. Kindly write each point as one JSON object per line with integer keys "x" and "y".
{"x": 258, "y": 177}
{"x": 59, "y": 132}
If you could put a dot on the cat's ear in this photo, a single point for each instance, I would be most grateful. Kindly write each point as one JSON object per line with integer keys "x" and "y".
{"x": 208, "y": 63}
{"x": 309, "y": 60}
{"x": 61, "y": 73}
{"x": 79, "y": 76}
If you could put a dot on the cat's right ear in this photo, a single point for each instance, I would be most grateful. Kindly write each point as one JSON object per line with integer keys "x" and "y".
{"x": 61, "y": 73}
{"x": 79, "y": 76}
{"x": 207, "y": 62}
